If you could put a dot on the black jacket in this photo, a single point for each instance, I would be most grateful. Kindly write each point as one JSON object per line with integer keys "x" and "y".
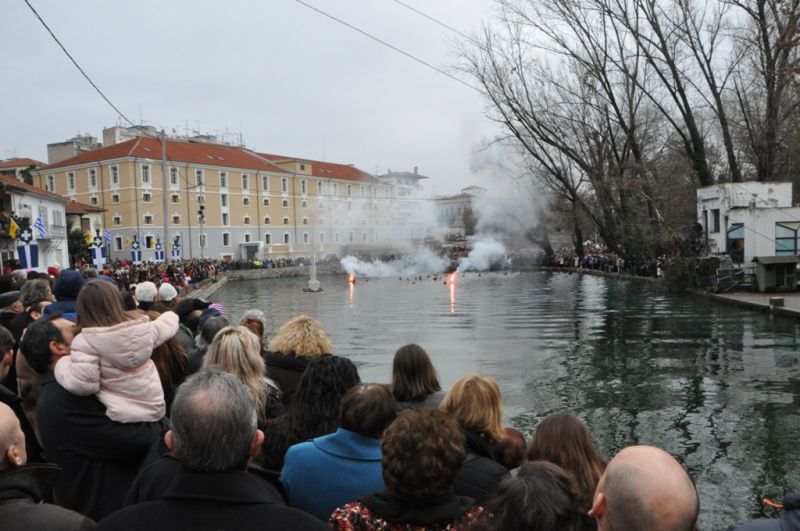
{"x": 480, "y": 473}
{"x": 789, "y": 520}
{"x": 21, "y": 492}
{"x": 286, "y": 370}
{"x": 397, "y": 509}
{"x": 155, "y": 479}
{"x": 32, "y": 447}
{"x": 100, "y": 457}
{"x": 209, "y": 501}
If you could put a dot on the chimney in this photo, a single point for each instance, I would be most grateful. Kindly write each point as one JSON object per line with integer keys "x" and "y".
{"x": 415, "y": 170}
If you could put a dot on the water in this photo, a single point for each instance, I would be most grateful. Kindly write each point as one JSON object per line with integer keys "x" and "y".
{"x": 714, "y": 385}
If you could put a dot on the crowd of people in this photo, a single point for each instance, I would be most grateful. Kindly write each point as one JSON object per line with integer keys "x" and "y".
{"x": 132, "y": 410}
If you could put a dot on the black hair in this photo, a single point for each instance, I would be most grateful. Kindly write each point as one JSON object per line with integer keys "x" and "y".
{"x": 6, "y": 340}
{"x": 35, "y": 344}
{"x": 368, "y": 409}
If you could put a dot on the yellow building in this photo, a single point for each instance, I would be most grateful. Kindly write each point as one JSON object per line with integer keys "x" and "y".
{"x": 254, "y": 205}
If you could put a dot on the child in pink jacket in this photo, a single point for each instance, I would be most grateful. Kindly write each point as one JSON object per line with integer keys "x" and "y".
{"x": 110, "y": 356}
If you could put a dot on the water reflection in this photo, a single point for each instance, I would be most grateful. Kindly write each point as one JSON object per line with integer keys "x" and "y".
{"x": 714, "y": 385}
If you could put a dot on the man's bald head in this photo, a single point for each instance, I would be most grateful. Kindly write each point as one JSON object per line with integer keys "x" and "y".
{"x": 645, "y": 488}
{"x": 12, "y": 440}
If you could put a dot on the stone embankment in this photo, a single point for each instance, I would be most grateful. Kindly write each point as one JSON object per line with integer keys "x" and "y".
{"x": 207, "y": 288}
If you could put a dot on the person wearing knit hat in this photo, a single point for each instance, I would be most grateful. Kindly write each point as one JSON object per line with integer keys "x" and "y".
{"x": 146, "y": 295}
{"x": 167, "y": 294}
{"x": 65, "y": 290}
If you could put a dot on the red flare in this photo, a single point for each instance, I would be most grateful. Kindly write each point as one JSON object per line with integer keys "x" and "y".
{"x": 352, "y": 279}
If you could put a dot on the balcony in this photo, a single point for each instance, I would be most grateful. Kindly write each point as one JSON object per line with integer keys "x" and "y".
{"x": 56, "y": 232}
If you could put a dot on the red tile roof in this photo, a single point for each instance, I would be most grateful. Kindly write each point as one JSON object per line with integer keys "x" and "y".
{"x": 177, "y": 151}
{"x": 330, "y": 170}
{"x": 19, "y": 163}
{"x": 74, "y": 207}
{"x": 12, "y": 182}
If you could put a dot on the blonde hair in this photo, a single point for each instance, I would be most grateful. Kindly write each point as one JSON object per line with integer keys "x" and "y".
{"x": 236, "y": 350}
{"x": 475, "y": 402}
{"x": 303, "y": 336}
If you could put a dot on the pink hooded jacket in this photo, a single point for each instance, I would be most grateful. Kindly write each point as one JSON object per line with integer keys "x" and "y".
{"x": 114, "y": 364}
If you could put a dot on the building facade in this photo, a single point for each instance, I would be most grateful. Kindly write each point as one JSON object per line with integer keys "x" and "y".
{"x": 456, "y": 214}
{"x": 749, "y": 219}
{"x": 222, "y": 201}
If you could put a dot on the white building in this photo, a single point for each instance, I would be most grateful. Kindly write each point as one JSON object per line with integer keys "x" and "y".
{"x": 749, "y": 219}
{"x": 412, "y": 212}
{"x": 28, "y": 203}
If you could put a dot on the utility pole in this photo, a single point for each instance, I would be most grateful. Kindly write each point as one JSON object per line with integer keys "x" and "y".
{"x": 164, "y": 239}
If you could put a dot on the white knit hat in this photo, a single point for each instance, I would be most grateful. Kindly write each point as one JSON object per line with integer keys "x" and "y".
{"x": 145, "y": 292}
{"x": 167, "y": 292}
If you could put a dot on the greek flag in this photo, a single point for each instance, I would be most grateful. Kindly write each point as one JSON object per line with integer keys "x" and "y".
{"x": 107, "y": 236}
{"x": 40, "y": 227}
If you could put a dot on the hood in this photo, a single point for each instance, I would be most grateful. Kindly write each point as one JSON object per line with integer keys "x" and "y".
{"x": 29, "y": 481}
{"x": 126, "y": 345}
{"x": 68, "y": 284}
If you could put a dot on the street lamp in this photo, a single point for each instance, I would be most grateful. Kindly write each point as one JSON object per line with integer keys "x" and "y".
{"x": 201, "y": 216}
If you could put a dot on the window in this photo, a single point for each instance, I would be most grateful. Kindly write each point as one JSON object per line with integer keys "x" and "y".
{"x": 148, "y": 219}
{"x": 285, "y": 221}
{"x": 51, "y": 183}
{"x": 71, "y": 181}
{"x": 175, "y": 198}
{"x": 786, "y": 238}
{"x": 302, "y": 167}
{"x": 265, "y": 183}
{"x": 223, "y": 180}
{"x": 246, "y": 220}
{"x": 114, "y": 175}
{"x": 246, "y": 237}
{"x": 284, "y": 185}
{"x": 321, "y": 237}
{"x": 198, "y": 177}
{"x": 305, "y": 237}
{"x": 223, "y": 199}
{"x": 267, "y": 220}
{"x": 363, "y": 236}
{"x": 92, "y": 178}
{"x": 149, "y": 242}
{"x": 224, "y": 218}
{"x": 266, "y": 202}
{"x": 303, "y": 186}
{"x": 268, "y": 239}
{"x": 246, "y": 201}
{"x": 319, "y": 187}
{"x": 351, "y": 235}
{"x": 349, "y": 190}
{"x": 735, "y": 242}
{"x": 226, "y": 239}
{"x": 320, "y": 205}
{"x": 145, "y": 174}
{"x": 245, "y": 182}
{"x": 115, "y": 198}
{"x": 285, "y": 237}
{"x": 173, "y": 176}
{"x": 93, "y": 200}
{"x": 285, "y": 203}
{"x": 715, "y": 220}
{"x": 305, "y": 221}
{"x": 304, "y": 204}
{"x": 118, "y": 243}
{"x": 117, "y": 220}
{"x": 176, "y": 219}
{"x": 335, "y": 189}
{"x": 146, "y": 197}
{"x": 336, "y": 236}
{"x": 321, "y": 221}
{"x": 202, "y": 240}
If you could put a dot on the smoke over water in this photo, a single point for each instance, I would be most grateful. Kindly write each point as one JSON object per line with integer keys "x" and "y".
{"x": 421, "y": 262}
{"x": 485, "y": 253}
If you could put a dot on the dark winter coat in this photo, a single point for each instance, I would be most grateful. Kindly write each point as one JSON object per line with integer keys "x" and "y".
{"x": 432, "y": 400}
{"x": 286, "y": 370}
{"x": 789, "y": 520}
{"x": 99, "y": 457}
{"x": 219, "y": 500}
{"x": 480, "y": 473}
{"x": 154, "y": 480}
{"x": 21, "y": 492}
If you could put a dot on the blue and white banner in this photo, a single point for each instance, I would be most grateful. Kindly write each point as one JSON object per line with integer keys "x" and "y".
{"x": 107, "y": 236}
{"x": 40, "y": 227}
{"x": 98, "y": 257}
{"x": 136, "y": 257}
{"x": 176, "y": 253}
{"x": 28, "y": 256}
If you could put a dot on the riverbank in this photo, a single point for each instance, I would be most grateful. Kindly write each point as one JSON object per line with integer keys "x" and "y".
{"x": 208, "y": 288}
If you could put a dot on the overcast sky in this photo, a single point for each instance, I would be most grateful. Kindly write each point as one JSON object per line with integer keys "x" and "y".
{"x": 293, "y": 81}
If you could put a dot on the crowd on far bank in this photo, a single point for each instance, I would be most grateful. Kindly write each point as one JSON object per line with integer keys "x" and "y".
{"x": 130, "y": 410}
{"x": 598, "y": 257}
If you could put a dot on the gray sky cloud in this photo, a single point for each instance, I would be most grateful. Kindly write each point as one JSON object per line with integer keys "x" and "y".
{"x": 293, "y": 81}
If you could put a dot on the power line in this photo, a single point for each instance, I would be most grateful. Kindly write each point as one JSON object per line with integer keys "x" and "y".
{"x": 74, "y": 62}
{"x": 391, "y": 46}
{"x": 436, "y": 21}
